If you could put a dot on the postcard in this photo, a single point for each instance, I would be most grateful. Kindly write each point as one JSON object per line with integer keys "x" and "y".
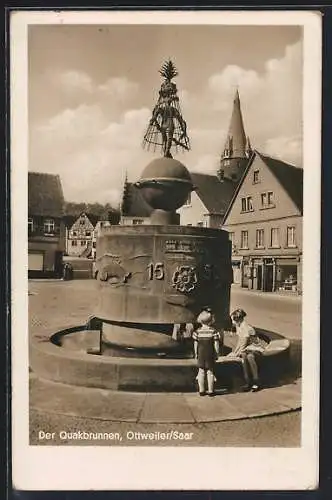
{"x": 165, "y": 208}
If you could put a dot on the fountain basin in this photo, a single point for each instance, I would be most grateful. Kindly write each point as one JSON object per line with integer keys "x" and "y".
{"x": 51, "y": 359}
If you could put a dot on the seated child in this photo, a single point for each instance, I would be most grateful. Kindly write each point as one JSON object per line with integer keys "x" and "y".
{"x": 206, "y": 348}
{"x": 249, "y": 347}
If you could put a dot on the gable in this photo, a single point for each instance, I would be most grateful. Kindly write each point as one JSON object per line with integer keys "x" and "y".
{"x": 82, "y": 222}
{"x": 215, "y": 194}
{"x": 282, "y": 203}
{"x": 193, "y": 212}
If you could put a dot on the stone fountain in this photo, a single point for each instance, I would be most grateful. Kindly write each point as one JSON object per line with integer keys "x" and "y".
{"x": 150, "y": 277}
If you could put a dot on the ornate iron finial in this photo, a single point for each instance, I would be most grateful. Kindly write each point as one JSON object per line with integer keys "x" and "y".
{"x": 167, "y": 128}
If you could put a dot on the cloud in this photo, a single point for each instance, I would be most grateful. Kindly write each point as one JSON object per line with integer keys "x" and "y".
{"x": 73, "y": 81}
{"x": 207, "y": 164}
{"x": 288, "y": 149}
{"x": 119, "y": 88}
{"x": 97, "y": 137}
{"x": 90, "y": 154}
{"x": 271, "y": 102}
{"x": 74, "y": 124}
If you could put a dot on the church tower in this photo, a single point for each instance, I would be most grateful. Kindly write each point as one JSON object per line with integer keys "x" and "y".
{"x": 237, "y": 149}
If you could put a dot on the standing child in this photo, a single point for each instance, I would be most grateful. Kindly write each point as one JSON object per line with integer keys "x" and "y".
{"x": 206, "y": 348}
{"x": 249, "y": 347}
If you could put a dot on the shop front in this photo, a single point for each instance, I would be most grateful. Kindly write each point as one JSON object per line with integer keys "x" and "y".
{"x": 272, "y": 274}
{"x": 288, "y": 272}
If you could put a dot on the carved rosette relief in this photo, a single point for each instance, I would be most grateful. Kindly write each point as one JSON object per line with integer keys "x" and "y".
{"x": 184, "y": 279}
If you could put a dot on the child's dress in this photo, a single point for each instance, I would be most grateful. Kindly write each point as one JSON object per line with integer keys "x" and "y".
{"x": 206, "y": 354}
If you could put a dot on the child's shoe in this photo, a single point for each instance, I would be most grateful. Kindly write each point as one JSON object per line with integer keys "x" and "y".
{"x": 246, "y": 388}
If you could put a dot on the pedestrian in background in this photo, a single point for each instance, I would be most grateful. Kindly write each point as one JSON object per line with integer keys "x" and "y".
{"x": 206, "y": 349}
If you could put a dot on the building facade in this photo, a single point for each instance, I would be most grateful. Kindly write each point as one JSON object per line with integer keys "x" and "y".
{"x": 207, "y": 204}
{"x": 46, "y": 229}
{"x": 264, "y": 220}
{"x": 79, "y": 237}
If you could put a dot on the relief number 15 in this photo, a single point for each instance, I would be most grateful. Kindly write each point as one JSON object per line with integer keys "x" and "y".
{"x": 156, "y": 271}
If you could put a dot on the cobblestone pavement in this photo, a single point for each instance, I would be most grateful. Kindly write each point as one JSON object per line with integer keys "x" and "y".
{"x": 76, "y": 300}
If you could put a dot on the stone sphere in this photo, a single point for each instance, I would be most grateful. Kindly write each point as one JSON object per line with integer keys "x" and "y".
{"x": 165, "y": 184}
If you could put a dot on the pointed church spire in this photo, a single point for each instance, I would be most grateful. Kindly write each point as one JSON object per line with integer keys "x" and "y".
{"x": 237, "y": 145}
{"x": 236, "y": 138}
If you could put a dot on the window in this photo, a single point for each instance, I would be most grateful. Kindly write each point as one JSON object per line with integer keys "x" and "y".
{"x": 259, "y": 238}
{"x": 87, "y": 233}
{"x": 291, "y": 236}
{"x": 227, "y": 163}
{"x": 231, "y": 239}
{"x": 82, "y": 222}
{"x": 275, "y": 237}
{"x": 246, "y": 204}
{"x": 200, "y": 224}
{"x": 188, "y": 200}
{"x": 74, "y": 233}
{"x": 244, "y": 239}
{"x": 83, "y": 242}
{"x": 137, "y": 221}
{"x": 74, "y": 243}
{"x": 30, "y": 225}
{"x": 49, "y": 226}
{"x": 256, "y": 177}
{"x": 267, "y": 199}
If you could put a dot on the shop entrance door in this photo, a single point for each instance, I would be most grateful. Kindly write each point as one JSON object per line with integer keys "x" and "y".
{"x": 268, "y": 278}
{"x": 259, "y": 277}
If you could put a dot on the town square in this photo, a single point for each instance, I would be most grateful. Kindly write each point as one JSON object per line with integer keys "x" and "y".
{"x": 168, "y": 244}
{"x": 276, "y": 422}
{"x": 130, "y": 304}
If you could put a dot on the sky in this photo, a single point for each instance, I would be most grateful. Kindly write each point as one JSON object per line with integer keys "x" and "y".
{"x": 92, "y": 89}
